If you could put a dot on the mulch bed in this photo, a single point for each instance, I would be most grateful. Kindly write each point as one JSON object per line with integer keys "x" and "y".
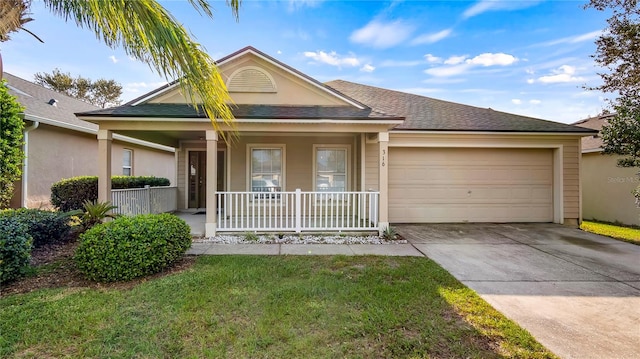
{"x": 64, "y": 274}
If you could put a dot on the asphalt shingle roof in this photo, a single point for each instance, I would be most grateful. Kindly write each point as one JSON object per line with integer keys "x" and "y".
{"x": 35, "y": 99}
{"x": 425, "y": 113}
{"x": 243, "y": 111}
{"x": 595, "y": 123}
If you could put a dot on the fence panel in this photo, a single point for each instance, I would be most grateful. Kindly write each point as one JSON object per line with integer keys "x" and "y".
{"x": 147, "y": 200}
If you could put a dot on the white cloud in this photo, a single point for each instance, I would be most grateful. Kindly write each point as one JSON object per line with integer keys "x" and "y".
{"x": 589, "y": 36}
{"x": 564, "y": 73}
{"x": 113, "y": 59}
{"x": 489, "y": 59}
{"x": 432, "y": 59}
{"x": 441, "y": 80}
{"x": 454, "y": 60}
{"x": 431, "y": 38}
{"x": 445, "y": 71}
{"x": 530, "y": 81}
{"x": 516, "y": 101}
{"x": 382, "y": 35}
{"x": 535, "y": 102}
{"x": 367, "y": 68}
{"x": 496, "y": 5}
{"x": 460, "y": 64}
{"x": 332, "y": 58}
{"x": 279, "y": 52}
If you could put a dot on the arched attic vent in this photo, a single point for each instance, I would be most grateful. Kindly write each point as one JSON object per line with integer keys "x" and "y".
{"x": 251, "y": 79}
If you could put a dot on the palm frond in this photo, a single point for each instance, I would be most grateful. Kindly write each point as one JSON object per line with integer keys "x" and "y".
{"x": 13, "y": 16}
{"x": 147, "y": 32}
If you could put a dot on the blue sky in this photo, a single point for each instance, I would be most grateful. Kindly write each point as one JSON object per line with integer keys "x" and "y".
{"x": 525, "y": 57}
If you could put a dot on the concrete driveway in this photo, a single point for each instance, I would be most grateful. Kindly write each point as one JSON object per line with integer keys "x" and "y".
{"x": 576, "y": 292}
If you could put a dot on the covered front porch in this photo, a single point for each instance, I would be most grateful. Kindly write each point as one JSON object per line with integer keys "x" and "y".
{"x": 274, "y": 182}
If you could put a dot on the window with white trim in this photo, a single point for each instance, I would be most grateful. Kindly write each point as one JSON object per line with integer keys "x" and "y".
{"x": 127, "y": 162}
{"x": 267, "y": 164}
{"x": 331, "y": 169}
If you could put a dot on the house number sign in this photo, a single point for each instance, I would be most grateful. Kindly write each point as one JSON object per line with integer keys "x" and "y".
{"x": 384, "y": 157}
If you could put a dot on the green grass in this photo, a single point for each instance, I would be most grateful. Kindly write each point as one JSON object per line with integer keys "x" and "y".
{"x": 627, "y": 234}
{"x": 268, "y": 307}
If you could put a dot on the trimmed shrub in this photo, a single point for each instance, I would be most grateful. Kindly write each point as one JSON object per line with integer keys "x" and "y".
{"x": 44, "y": 226}
{"x": 69, "y": 194}
{"x": 132, "y": 247}
{"x": 15, "y": 249}
{"x": 123, "y": 182}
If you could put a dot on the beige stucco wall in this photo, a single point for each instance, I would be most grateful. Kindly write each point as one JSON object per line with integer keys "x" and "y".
{"x": 606, "y": 190}
{"x": 298, "y": 160}
{"x": 56, "y": 153}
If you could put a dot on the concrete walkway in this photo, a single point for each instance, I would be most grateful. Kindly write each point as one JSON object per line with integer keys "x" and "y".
{"x": 305, "y": 249}
{"x": 576, "y": 292}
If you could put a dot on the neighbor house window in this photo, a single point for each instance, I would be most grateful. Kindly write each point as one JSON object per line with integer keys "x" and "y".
{"x": 267, "y": 169}
{"x": 127, "y": 162}
{"x": 331, "y": 169}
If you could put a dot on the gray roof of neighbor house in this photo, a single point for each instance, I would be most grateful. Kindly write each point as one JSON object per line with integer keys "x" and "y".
{"x": 594, "y": 142}
{"x": 35, "y": 99}
{"x": 429, "y": 114}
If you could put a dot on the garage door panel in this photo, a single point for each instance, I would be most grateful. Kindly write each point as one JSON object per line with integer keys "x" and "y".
{"x": 470, "y": 185}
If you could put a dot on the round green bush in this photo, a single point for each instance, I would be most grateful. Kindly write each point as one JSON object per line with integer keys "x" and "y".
{"x": 45, "y": 227}
{"x": 15, "y": 249}
{"x": 132, "y": 247}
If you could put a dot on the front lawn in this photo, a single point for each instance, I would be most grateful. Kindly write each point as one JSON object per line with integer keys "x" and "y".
{"x": 627, "y": 234}
{"x": 268, "y": 307}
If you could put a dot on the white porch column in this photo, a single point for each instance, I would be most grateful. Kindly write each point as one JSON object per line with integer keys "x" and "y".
{"x": 383, "y": 180}
{"x": 104, "y": 165}
{"x": 211, "y": 180}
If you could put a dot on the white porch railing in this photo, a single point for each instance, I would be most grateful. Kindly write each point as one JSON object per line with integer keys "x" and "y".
{"x": 297, "y": 211}
{"x": 144, "y": 200}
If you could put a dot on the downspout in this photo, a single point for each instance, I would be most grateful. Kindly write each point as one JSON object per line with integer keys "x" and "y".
{"x": 25, "y": 165}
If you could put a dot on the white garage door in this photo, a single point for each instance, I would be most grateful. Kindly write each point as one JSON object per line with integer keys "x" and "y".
{"x": 431, "y": 185}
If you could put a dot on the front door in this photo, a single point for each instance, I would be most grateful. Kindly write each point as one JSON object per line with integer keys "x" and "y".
{"x": 198, "y": 177}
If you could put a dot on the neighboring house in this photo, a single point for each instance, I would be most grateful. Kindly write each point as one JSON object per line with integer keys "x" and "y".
{"x": 58, "y": 145}
{"x": 353, "y": 151}
{"x": 606, "y": 188}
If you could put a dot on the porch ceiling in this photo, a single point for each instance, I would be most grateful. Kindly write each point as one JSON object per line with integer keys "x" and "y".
{"x": 167, "y": 138}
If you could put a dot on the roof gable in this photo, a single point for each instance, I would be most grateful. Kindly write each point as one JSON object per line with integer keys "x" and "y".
{"x": 254, "y": 78}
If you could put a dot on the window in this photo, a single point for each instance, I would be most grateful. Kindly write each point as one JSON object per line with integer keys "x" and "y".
{"x": 127, "y": 162}
{"x": 267, "y": 169}
{"x": 331, "y": 169}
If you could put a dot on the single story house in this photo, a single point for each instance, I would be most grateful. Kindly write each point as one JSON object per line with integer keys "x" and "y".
{"x": 59, "y": 145}
{"x": 346, "y": 156}
{"x": 606, "y": 188}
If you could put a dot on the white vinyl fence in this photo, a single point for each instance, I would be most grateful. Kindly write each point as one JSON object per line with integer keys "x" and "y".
{"x": 144, "y": 200}
{"x": 297, "y": 211}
